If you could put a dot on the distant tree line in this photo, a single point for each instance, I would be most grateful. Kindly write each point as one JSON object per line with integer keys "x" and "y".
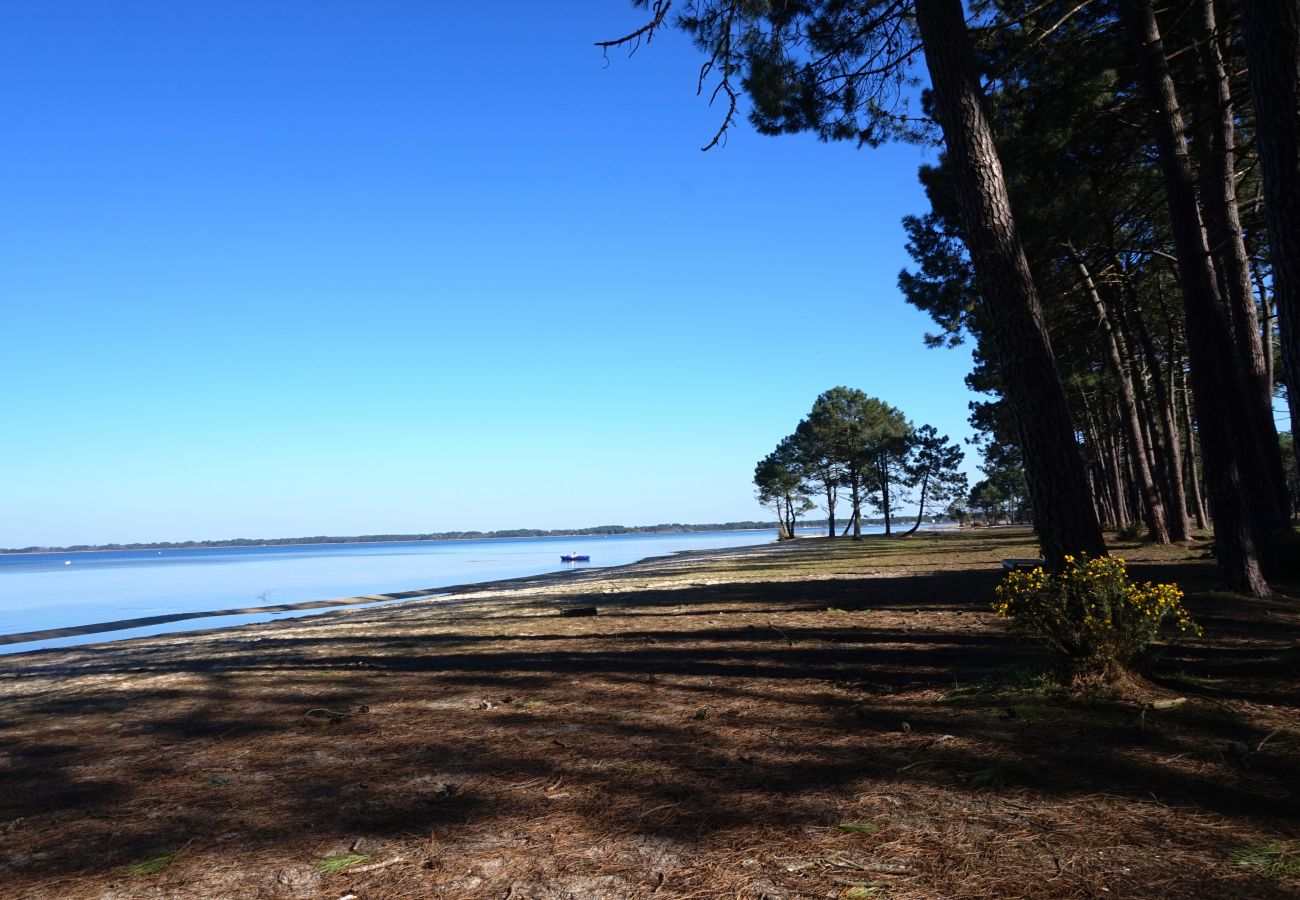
{"x": 853, "y": 451}
{"x": 597, "y": 530}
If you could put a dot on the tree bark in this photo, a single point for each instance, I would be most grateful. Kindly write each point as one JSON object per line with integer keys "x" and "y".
{"x": 1266, "y": 327}
{"x": 1064, "y": 517}
{"x": 920, "y": 509}
{"x": 1172, "y": 457}
{"x": 1215, "y": 125}
{"x": 1097, "y": 469}
{"x": 831, "y": 491}
{"x": 1244, "y": 491}
{"x": 1122, "y": 513}
{"x": 1153, "y": 508}
{"x": 1272, "y": 32}
{"x": 882, "y": 466}
{"x": 855, "y": 500}
{"x": 1198, "y": 499}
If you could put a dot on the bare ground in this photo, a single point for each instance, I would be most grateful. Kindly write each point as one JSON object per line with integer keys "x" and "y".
{"x": 811, "y": 720}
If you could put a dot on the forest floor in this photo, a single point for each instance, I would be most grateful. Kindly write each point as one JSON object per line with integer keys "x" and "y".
{"x": 816, "y": 719}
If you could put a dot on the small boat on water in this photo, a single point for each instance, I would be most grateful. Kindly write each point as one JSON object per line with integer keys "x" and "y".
{"x": 574, "y": 557}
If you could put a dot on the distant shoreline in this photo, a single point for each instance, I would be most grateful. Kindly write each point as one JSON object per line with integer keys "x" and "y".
{"x": 507, "y": 534}
{"x": 597, "y": 531}
{"x": 346, "y": 604}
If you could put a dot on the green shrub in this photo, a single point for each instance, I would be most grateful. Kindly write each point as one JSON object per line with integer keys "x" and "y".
{"x": 1129, "y": 531}
{"x": 1091, "y": 615}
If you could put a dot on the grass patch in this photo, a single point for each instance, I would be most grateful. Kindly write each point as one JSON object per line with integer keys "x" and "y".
{"x": 634, "y": 770}
{"x": 154, "y": 864}
{"x": 864, "y": 891}
{"x": 1273, "y": 860}
{"x": 1019, "y": 683}
{"x": 994, "y": 778}
{"x": 857, "y": 827}
{"x": 1027, "y": 710}
{"x": 332, "y": 865}
{"x": 1182, "y": 677}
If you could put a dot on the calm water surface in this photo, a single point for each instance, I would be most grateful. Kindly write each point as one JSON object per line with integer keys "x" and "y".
{"x": 41, "y": 591}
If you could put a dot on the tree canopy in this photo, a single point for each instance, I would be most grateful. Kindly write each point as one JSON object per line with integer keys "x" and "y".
{"x": 1108, "y": 224}
{"x": 856, "y": 446}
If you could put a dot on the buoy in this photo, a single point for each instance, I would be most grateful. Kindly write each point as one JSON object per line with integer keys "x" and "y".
{"x": 67, "y": 562}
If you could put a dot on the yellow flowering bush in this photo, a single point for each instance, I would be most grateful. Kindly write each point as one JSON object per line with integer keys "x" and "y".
{"x": 1091, "y": 615}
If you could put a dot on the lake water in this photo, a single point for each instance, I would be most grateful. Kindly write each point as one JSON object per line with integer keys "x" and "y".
{"x": 41, "y": 591}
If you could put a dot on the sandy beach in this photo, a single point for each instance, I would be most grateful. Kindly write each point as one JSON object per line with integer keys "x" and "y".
{"x": 816, "y": 719}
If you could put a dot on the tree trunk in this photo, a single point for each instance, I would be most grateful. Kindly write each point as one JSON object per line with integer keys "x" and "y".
{"x": 1215, "y": 127}
{"x": 1122, "y": 515}
{"x": 830, "y": 507}
{"x": 855, "y": 503}
{"x": 1063, "y": 513}
{"x": 1198, "y": 500}
{"x": 1243, "y": 490}
{"x": 783, "y": 530}
{"x": 1172, "y": 457}
{"x": 1153, "y": 507}
{"x": 1272, "y": 31}
{"x": 1266, "y": 327}
{"x": 920, "y": 509}
{"x": 1096, "y": 467}
{"x": 883, "y": 466}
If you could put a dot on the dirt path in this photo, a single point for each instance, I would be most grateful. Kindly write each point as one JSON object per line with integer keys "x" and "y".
{"x": 814, "y": 720}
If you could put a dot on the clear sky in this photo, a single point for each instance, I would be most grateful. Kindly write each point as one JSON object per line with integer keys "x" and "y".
{"x": 327, "y": 267}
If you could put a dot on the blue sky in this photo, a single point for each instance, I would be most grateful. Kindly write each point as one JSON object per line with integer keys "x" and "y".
{"x": 293, "y": 268}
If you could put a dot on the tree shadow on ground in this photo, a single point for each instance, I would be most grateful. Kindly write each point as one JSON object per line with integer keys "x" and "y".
{"x": 689, "y": 715}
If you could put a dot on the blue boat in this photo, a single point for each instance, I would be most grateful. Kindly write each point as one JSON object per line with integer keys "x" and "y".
{"x": 575, "y": 557}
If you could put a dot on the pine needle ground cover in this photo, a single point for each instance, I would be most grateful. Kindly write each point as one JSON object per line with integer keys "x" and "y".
{"x": 817, "y": 719}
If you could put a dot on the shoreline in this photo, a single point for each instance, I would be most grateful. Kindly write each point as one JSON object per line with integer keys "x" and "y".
{"x": 827, "y": 706}
{"x": 232, "y": 545}
{"x": 163, "y": 546}
{"x": 351, "y": 605}
{"x": 355, "y": 603}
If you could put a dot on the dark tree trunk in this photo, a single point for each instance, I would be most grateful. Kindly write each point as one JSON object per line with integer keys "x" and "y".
{"x": 1272, "y": 31}
{"x": 1244, "y": 492}
{"x": 832, "y": 491}
{"x": 857, "y": 503}
{"x": 1266, "y": 327}
{"x": 1122, "y": 515}
{"x": 1172, "y": 457}
{"x": 1194, "y": 478}
{"x": 854, "y": 474}
{"x": 1063, "y": 513}
{"x": 1153, "y": 507}
{"x": 1215, "y": 126}
{"x": 883, "y": 467}
{"x": 1096, "y": 467}
{"x": 920, "y": 509}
